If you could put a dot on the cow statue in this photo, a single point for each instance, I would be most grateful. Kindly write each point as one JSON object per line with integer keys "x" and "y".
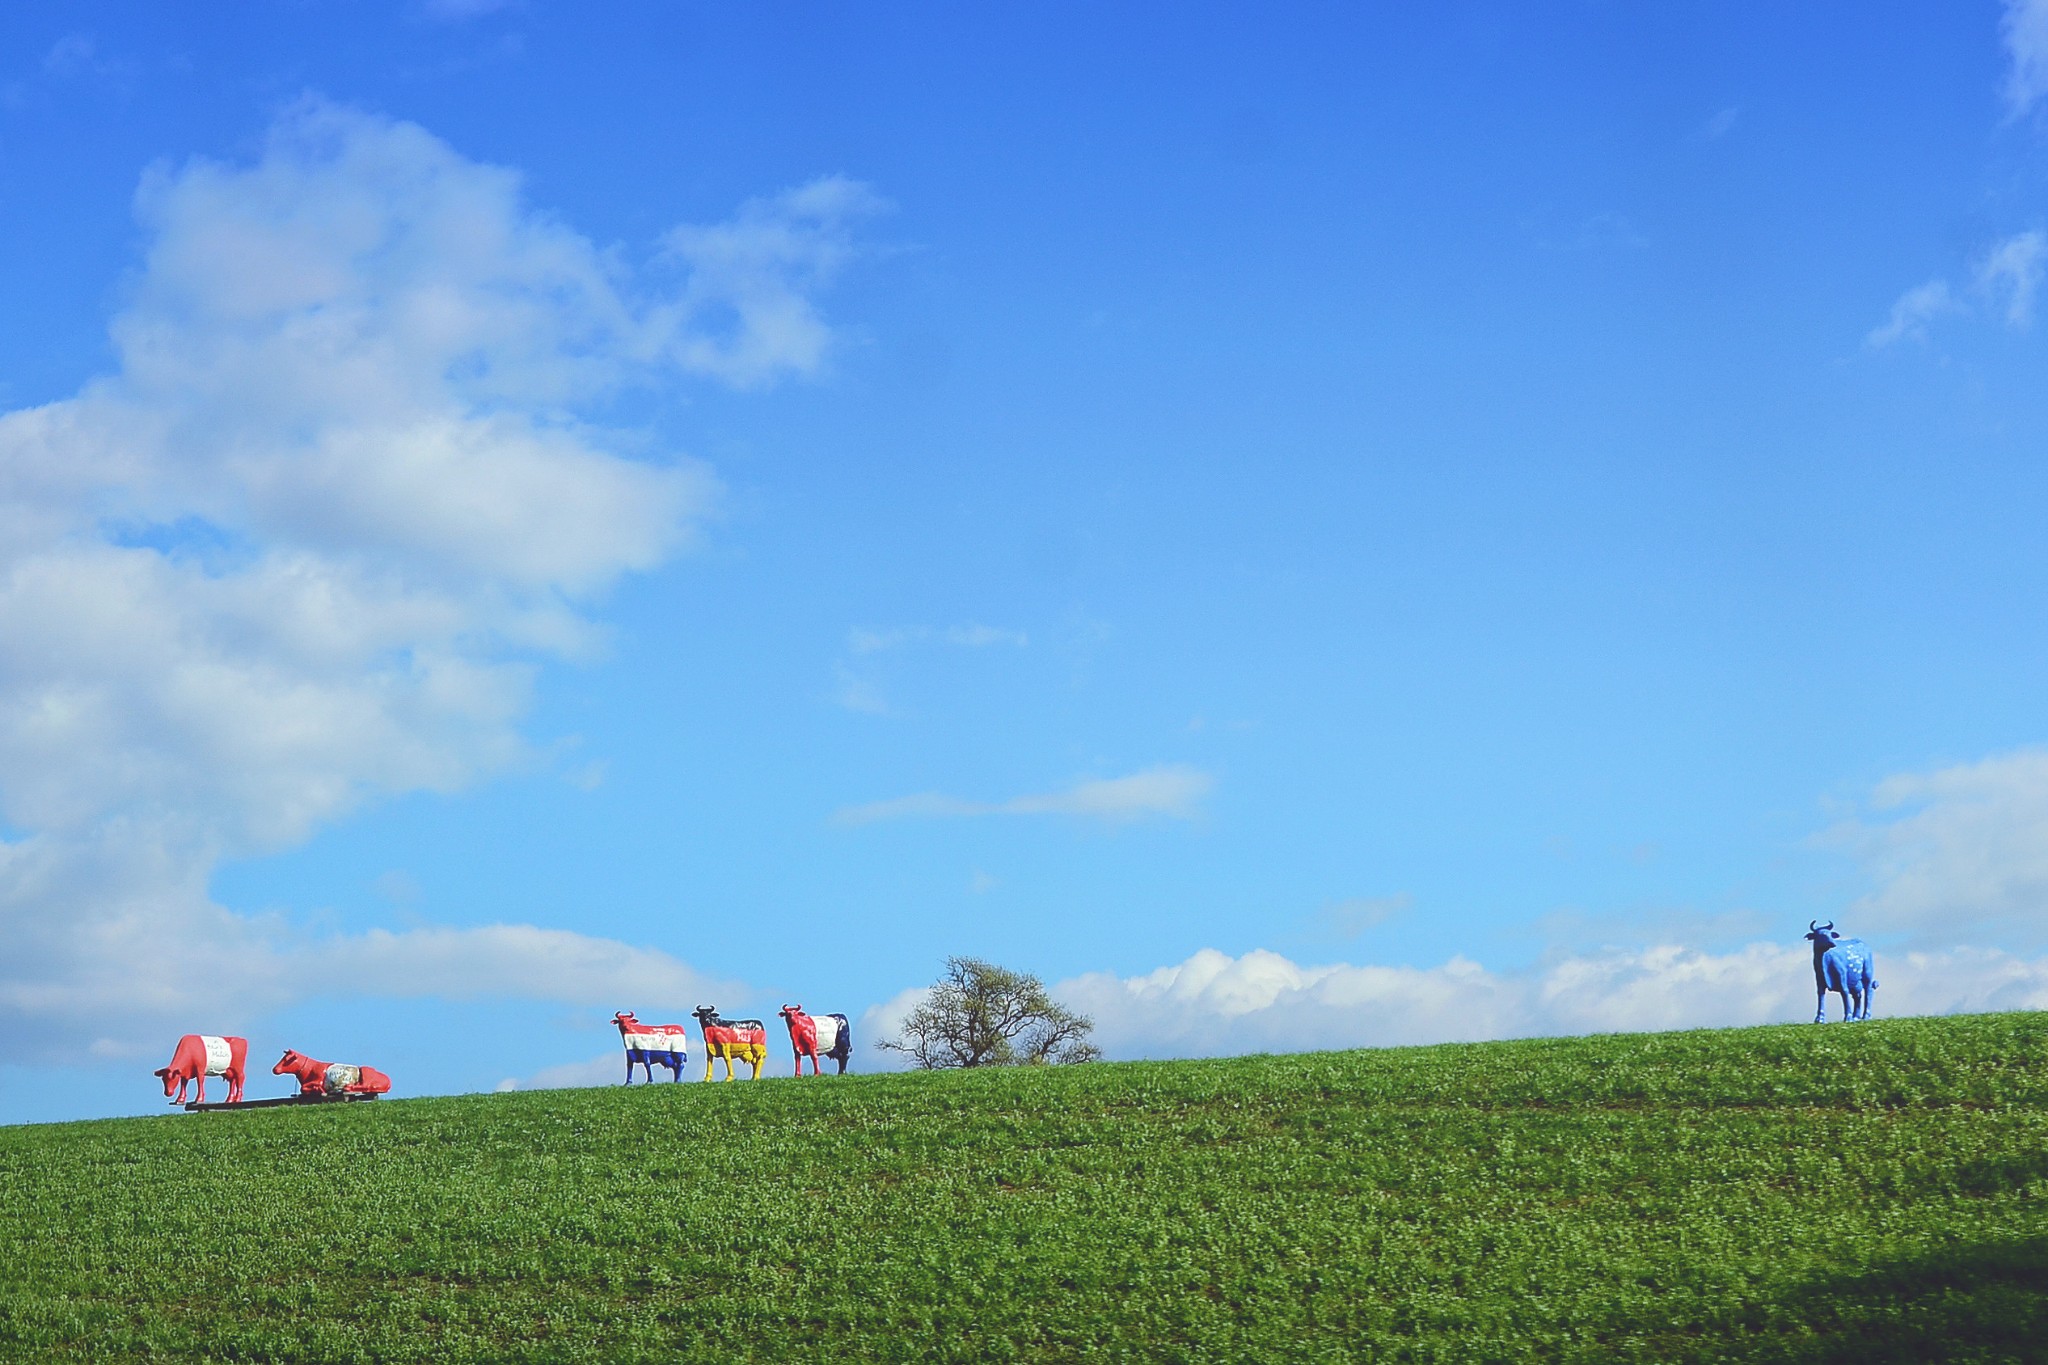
{"x": 652, "y": 1045}
{"x": 330, "y": 1078}
{"x": 1845, "y": 966}
{"x": 808, "y": 1037}
{"x": 199, "y": 1055}
{"x": 744, "y": 1040}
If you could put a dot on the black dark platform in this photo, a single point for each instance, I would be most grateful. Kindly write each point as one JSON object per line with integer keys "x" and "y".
{"x": 197, "y": 1108}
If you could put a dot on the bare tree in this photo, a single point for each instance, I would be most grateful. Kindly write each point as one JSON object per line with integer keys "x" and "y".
{"x": 979, "y": 1014}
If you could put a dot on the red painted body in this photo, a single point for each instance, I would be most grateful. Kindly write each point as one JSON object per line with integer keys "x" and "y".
{"x": 803, "y": 1036}
{"x": 313, "y": 1077}
{"x": 188, "y": 1064}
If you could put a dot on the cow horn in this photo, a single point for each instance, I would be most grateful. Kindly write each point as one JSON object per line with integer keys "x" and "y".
{"x": 1829, "y": 925}
{"x": 1812, "y": 925}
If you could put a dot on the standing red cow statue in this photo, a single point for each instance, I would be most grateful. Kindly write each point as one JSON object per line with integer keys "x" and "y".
{"x": 811, "y": 1035}
{"x": 330, "y": 1078}
{"x": 199, "y": 1055}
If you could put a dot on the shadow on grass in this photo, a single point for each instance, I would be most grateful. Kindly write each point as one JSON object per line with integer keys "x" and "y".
{"x": 1981, "y": 1303}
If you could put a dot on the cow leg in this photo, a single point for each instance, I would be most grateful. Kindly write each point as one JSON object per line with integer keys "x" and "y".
{"x": 842, "y": 1064}
{"x": 1820, "y": 1006}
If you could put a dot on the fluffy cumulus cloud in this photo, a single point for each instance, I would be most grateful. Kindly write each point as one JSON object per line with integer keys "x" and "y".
{"x": 1215, "y": 1005}
{"x": 1956, "y": 852}
{"x": 306, "y": 541}
{"x": 1956, "y": 859}
{"x": 1171, "y": 790}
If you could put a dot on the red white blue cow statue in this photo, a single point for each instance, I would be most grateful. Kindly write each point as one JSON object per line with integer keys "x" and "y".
{"x": 199, "y": 1055}
{"x": 810, "y": 1036}
{"x": 652, "y": 1045}
{"x": 330, "y": 1078}
{"x": 744, "y": 1040}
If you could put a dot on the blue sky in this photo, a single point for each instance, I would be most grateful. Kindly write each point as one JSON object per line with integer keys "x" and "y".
{"x": 1325, "y": 525}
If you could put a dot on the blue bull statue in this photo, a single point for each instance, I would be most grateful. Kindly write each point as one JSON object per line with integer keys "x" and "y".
{"x": 1845, "y": 966}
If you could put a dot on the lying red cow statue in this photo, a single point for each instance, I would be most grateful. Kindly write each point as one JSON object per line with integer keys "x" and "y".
{"x": 330, "y": 1078}
{"x": 199, "y": 1055}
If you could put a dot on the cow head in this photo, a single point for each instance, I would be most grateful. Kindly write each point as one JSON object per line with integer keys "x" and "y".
{"x": 288, "y": 1062}
{"x": 626, "y": 1019}
{"x": 163, "y": 1073}
{"x": 1824, "y": 936}
{"x": 791, "y": 1013}
{"x": 706, "y": 1015}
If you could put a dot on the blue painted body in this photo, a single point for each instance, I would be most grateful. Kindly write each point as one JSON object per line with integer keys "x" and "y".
{"x": 1845, "y": 966}
{"x": 841, "y": 1050}
{"x": 647, "y": 1059}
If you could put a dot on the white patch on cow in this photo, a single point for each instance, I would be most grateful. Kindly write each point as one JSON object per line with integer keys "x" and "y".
{"x": 340, "y": 1076}
{"x": 218, "y": 1054}
{"x": 828, "y": 1032}
{"x": 677, "y": 1041}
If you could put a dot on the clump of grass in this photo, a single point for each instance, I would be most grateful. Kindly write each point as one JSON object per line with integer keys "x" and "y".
{"x": 1777, "y": 1194}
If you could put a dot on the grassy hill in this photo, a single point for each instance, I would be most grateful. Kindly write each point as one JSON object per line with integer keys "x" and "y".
{"x": 1867, "y": 1193}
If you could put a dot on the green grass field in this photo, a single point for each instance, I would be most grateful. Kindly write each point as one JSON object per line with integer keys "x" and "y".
{"x": 1868, "y": 1193}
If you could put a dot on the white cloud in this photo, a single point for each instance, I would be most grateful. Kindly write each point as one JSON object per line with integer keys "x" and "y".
{"x": 1912, "y": 312}
{"x": 307, "y": 541}
{"x": 516, "y": 960}
{"x": 1959, "y": 851}
{"x": 610, "y": 1069}
{"x": 1216, "y": 1005}
{"x": 885, "y": 1021}
{"x": 2011, "y": 273}
{"x": 746, "y": 315}
{"x": 1174, "y": 791}
{"x": 2025, "y": 30}
{"x": 2008, "y": 276}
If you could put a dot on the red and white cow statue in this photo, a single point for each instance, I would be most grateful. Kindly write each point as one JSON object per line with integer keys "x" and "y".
{"x": 199, "y": 1055}
{"x": 330, "y": 1078}
{"x": 812, "y": 1035}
